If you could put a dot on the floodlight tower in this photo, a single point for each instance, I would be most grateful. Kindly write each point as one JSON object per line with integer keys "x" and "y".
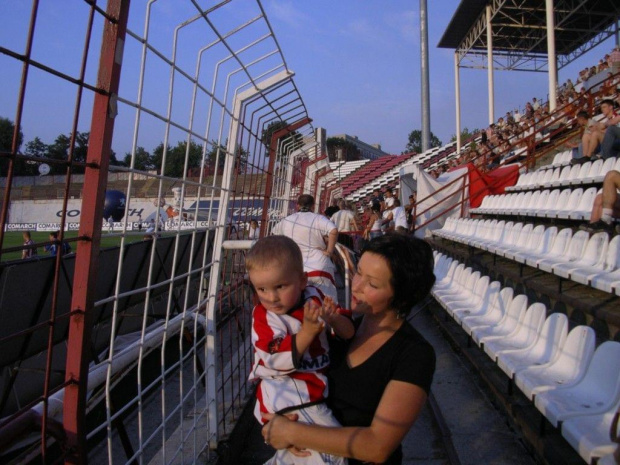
{"x": 426, "y": 107}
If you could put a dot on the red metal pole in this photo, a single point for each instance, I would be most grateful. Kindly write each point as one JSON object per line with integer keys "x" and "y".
{"x": 272, "y": 163}
{"x": 87, "y": 257}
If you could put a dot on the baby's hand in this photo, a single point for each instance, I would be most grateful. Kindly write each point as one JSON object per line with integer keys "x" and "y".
{"x": 312, "y": 321}
{"x": 328, "y": 310}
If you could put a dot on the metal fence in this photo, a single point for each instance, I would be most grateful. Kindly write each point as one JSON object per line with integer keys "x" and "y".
{"x": 133, "y": 346}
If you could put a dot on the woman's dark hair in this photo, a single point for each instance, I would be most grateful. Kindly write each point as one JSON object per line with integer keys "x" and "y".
{"x": 411, "y": 264}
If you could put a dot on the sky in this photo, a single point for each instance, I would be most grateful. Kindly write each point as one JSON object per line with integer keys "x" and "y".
{"x": 356, "y": 62}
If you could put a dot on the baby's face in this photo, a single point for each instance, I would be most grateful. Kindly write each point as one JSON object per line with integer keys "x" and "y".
{"x": 277, "y": 287}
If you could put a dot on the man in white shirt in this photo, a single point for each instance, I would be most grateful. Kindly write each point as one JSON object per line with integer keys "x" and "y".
{"x": 397, "y": 217}
{"x": 344, "y": 219}
{"x": 308, "y": 230}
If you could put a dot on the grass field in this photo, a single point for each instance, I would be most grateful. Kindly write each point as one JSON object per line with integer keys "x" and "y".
{"x": 15, "y": 239}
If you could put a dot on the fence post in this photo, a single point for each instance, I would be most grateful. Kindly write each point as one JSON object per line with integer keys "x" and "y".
{"x": 87, "y": 257}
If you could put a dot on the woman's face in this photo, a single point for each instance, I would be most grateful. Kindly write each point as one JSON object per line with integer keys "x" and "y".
{"x": 372, "y": 290}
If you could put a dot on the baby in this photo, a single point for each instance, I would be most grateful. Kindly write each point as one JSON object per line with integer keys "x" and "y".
{"x": 291, "y": 354}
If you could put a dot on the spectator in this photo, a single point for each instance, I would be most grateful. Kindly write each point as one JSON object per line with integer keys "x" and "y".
{"x": 588, "y": 138}
{"x": 308, "y": 230}
{"x": 253, "y": 231}
{"x": 610, "y": 140}
{"x": 397, "y": 218}
{"x": 29, "y": 251}
{"x": 333, "y": 208}
{"x": 373, "y": 229}
{"x": 344, "y": 219}
{"x": 614, "y": 59}
{"x": 388, "y": 199}
{"x": 606, "y": 205}
{"x": 52, "y": 248}
{"x": 376, "y": 199}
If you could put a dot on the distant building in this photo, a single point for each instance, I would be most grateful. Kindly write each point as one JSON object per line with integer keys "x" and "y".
{"x": 367, "y": 151}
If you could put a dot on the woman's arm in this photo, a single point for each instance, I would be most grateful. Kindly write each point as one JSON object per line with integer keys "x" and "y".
{"x": 398, "y": 409}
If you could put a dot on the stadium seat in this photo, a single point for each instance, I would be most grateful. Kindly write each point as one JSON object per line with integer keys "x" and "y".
{"x": 551, "y": 338}
{"x": 542, "y": 246}
{"x": 559, "y": 246}
{"x": 491, "y": 313}
{"x": 593, "y": 173}
{"x": 608, "y": 165}
{"x": 593, "y": 256}
{"x": 469, "y": 296}
{"x": 596, "y": 393}
{"x": 573, "y": 252}
{"x": 526, "y": 244}
{"x": 513, "y": 315}
{"x": 590, "y": 435}
{"x": 602, "y": 270}
{"x": 572, "y": 202}
{"x": 508, "y": 241}
{"x": 566, "y": 369}
{"x": 564, "y": 174}
{"x": 523, "y": 336}
{"x": 487, "y": 304}
{"x": 584, "y": 208}
{"x": 552, "y": 210}
{"x": 450, "y": 278}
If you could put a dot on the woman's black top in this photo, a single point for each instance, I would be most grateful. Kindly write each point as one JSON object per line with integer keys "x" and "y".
{"x": 354, "y": 393}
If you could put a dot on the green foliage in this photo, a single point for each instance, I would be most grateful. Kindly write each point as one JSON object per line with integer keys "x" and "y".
{"x": 293, "y": 137}
{"x": 350, "y": 150}
{"x": 143, "y": 160}
{"x": 466, "y": 135}
{"x": 216, "y": 161}
{"x": 7, "y": 129}
{"x": 415, "y": 142}
{"x": 175, "y": 158}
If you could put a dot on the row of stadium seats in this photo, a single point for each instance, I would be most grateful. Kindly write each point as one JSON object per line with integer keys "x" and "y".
{"x": 587, "y": 173}
{"x": 574, "y": 386}
{"x": 573, "y": 204}
{"x": 589, "y": 260}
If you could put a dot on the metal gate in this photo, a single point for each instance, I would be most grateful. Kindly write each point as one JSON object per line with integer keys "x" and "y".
{"x": 132, "y": 345}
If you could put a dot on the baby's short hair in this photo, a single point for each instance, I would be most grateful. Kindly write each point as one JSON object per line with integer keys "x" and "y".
{"x": 280, "y": 249}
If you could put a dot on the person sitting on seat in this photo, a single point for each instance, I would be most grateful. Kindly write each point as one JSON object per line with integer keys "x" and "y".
{"x": 606, "y": 206}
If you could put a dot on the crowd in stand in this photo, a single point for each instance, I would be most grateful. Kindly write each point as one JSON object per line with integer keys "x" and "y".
{"x": 507, "y": 139}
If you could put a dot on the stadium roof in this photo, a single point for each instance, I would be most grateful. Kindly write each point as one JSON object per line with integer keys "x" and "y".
{"x": 519, "y": 30}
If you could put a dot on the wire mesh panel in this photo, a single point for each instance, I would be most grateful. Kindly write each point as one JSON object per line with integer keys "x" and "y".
{"x": 177, "y": 125}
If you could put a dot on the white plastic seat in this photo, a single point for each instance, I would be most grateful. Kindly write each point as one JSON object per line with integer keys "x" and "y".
{"x": 566, "y": 369}
{"x": 527, "y": 242}
{"x": 545, "y": 181}
{"x": 514, "y": 314}
{"x": 519, "y": 241}
{"x": 593, "y": 256}
{"x": 573, "y": 175}
{"x": 560, "y": 244}
{"x": 486, "y": 305}
{"x": 584, "y": 209}
{"x": 593, "y": 173}
{"x": 573, "y": 200}
{"x": 550, "y": 204}
{"x": 494, "y": 232}
{"x": 594, "y": 394}
{"x": 545, "y": 349}
{"x": 573, "y": 252}
{"x": 466, "y": 280}
{"x": 560, "y": 204}
{"x": 608, "y": 165}
{"x": 590, "y": 435}
{"x": 608, "y": 262}
{"x": 543, "y": 245}
{"x": 450, "y": 278}
{"x": 498, "y": 238}
{"x": 469, "y": 296}
{"x": 540, "y": 203}
{"x": 583, "y": 173}
{"x": 564, "y": 174}
{"x": 508, "y": 241}
{"x": 513, "y": 207}
{"x": 523, "y": 336}
{"x": 469, "y": 318}
{"x": 533, "y": 205}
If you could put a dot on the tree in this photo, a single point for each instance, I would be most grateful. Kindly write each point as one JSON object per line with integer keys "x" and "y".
{"x": 175, "y": 158}
{"x": 241, "y": 160}
{"x": 7, "y": 129}
{"x": 415, "y": 142}
{"x": 143, "y": 160}
{"x": 350, "y": 151}
{"x": 466, "y": 135}
{"x": 35, "y": 148}
{"x": 293, "y": 137}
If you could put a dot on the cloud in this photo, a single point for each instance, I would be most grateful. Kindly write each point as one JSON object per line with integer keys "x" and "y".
{"x": 406, "y": 24}
{"x": 284, "y": 11}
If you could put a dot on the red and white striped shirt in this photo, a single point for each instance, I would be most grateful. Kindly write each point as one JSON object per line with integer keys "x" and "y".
{"x": 283, "y": 381}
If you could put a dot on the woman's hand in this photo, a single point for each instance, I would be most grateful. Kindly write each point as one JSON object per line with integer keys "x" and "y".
{"x": 274, "y": 433}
